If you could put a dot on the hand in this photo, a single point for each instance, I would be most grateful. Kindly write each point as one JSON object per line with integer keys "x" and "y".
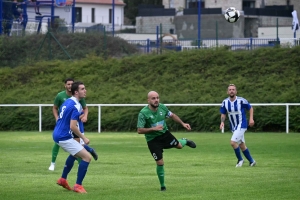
{"x": 251, "y": 122}
{"x": 221, "y": 125}
{"x": 158, "y": 128}
{"x": 83, "y": 118}
{"x": 187, "y": 126}
{"x": 85, "y": 140}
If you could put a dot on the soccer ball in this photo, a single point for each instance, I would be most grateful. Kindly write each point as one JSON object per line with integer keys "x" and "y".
{"x": 232, "y": 15}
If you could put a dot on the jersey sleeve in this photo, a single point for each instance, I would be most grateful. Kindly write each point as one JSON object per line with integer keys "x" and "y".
{"x": 75, "y": 114}
{"x": 168, "y": 112}
{"x": 141, "y": 121}
{"x": 246, "y": 104}
{"x": 223, "y": 109}
{"x": 83, "y": 103}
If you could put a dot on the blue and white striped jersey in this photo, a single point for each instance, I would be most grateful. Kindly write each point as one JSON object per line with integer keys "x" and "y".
{"x": 236, "y": 111}
{"x": 69, "y": 110}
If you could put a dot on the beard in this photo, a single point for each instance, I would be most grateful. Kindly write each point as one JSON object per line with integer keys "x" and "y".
{"x": 232, "y": 95}
{"x": 154, "y": 106}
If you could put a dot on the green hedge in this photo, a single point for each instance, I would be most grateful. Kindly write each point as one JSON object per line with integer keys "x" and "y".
{"x": 269, "y": 75}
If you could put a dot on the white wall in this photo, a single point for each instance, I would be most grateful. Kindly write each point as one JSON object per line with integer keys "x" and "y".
{"x": 101, "y": 13}
{"x": 271, "y": 32}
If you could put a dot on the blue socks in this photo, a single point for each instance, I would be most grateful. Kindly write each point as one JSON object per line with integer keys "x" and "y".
{"x": 248, "y": 156}
{"x": 89, "y": 149}
{"x": 238, "y": 153}
{"x": 68, "y": 166}
{"x": 82, "y": 169}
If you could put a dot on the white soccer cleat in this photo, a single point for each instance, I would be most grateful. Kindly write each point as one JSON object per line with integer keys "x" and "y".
{"x": 52, "y": 167}
{"x": 252, "y": 164}
{"x": 239, "y": 163}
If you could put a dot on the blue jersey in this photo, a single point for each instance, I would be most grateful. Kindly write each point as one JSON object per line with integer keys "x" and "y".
{"x": 70, "y": 110}
{"x": 236, "y": 111}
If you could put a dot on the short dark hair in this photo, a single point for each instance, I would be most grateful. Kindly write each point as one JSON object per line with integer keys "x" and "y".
{"x": 75, "y": 86}
{"x": 68, "y": 79}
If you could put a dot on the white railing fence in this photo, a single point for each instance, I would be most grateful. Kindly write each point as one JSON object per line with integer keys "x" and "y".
{"x": 287, "y": 105}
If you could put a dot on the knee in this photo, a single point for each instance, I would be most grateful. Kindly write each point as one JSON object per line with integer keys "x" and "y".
{"x": 160, "y": 162}
{"x": 179, "y": 146}
{"x": 233, "y": 144}
{"x": 243, "y": 146}
{"x": 87, "y": 158}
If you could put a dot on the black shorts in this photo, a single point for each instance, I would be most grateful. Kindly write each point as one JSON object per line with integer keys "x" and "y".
{"x": 74, "y": 135}
{"x": 165, "y": 141}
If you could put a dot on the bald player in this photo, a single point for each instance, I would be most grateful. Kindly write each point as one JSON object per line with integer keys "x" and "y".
{"x": 151, "y": 123}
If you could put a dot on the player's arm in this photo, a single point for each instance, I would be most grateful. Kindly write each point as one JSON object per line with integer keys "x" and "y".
{"x": 141, "y": 126}
{"x": 74, "y": 128}
{"x": 223, "y": 112}
{"x": 178, "y": 120}
{"x": 55, "y": 112}
{"x": 84, "y": 117}
{"x": 55, "y": 108}
{"x": 251, "y": 120}
{"x": 223, "y": 117}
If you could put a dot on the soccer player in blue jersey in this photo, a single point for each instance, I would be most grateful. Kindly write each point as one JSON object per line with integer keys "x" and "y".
{"x": 236, "y": 107}
{"x": 67, "y": 123}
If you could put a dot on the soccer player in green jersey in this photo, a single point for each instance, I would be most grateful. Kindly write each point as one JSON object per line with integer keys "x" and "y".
{"x": 59, "y": 100}
{"x": 151, "y": 122}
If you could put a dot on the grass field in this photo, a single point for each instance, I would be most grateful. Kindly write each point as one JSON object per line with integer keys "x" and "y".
{"x": 126, "y": 170}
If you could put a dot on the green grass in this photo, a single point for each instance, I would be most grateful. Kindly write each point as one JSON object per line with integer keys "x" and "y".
{"x": 126, "y": 170}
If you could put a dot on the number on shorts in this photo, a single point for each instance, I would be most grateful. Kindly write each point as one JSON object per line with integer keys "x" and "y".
{"x": 154, "y": 156}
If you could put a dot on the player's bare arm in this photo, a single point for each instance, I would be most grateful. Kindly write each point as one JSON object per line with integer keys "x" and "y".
{"x": 55, "y": 112}
{"x": 84, "y": 116}
{"x": 149, "y": 130}
{"x": 251, "y": 121}
{"x": 178, "y": 120}
{"x": 223, "y": 117}
{"x": 74, "y": 128}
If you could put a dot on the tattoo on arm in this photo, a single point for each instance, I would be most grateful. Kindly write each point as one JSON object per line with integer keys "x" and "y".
{"x": 222, "y": 118}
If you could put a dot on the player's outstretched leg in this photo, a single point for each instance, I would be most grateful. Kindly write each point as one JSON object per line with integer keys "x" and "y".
{"x": 91, "y": 151}
{"x": 187, "y": 142}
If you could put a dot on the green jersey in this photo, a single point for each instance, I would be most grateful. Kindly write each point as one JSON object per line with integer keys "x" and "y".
{"x": 62, "y": 96}
{"x": 148, "y": 118}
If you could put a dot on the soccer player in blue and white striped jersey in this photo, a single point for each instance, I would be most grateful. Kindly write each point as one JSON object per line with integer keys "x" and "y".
{"x": 235, "y": 107}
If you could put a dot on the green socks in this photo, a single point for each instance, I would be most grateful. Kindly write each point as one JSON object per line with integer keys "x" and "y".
{"x": 182, "y": 141}
{"x": 161, "y": 175}
{"x": 55, "y": 150}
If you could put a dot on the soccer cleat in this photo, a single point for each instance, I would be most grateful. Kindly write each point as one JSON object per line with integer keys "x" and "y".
{"x": 190, "y": 143}
{"x": 239, "y": 163}
{"x": 52, "y": 167}
{"x": 79, "y": 188}
{"x": 252, "y": 164}
{"x": 163, "y": 188}
{"x": 64, "y": 183}
{"x": 94, "y": 154}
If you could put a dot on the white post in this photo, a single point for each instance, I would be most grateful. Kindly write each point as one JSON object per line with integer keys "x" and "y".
{"x": 99, "y": 119}
{"x": 40, "y": 118}
{"x": 287, "y": 118}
